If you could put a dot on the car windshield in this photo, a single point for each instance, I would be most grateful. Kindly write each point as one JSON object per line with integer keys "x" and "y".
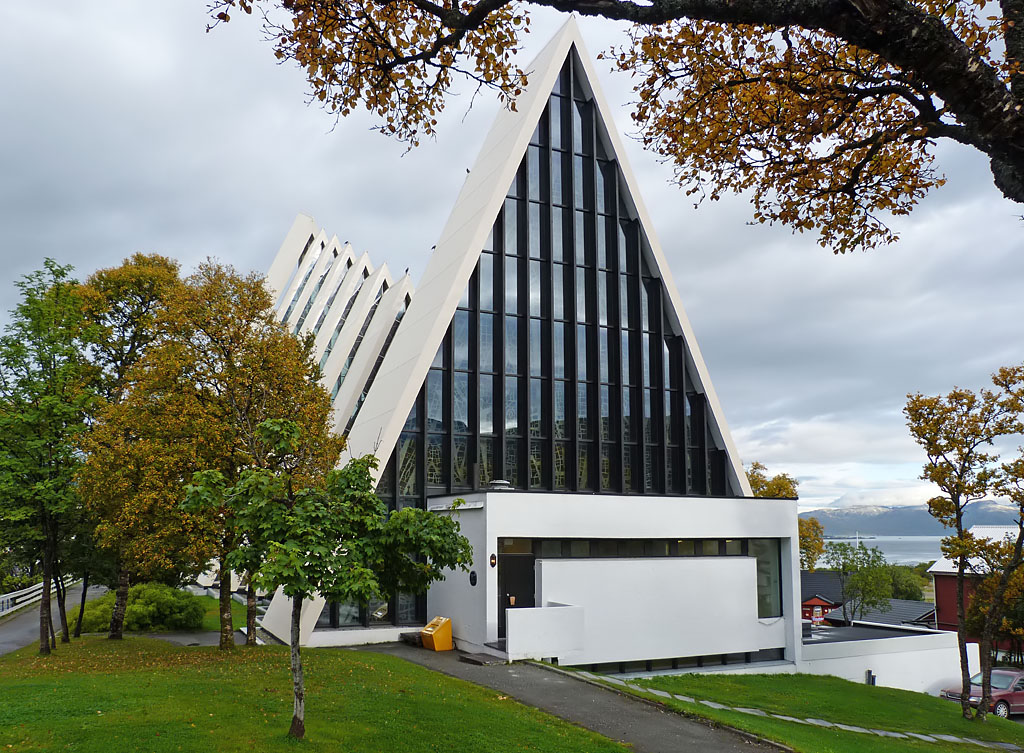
{"x": 1000, "y": 680}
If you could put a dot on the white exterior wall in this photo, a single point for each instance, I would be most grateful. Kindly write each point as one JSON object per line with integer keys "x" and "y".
{"x": 681, "y": 590}
{"x": 658, "y": 608}
{"x": 926, "y": 662}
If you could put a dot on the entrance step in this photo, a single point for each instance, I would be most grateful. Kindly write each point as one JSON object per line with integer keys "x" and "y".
{"x": 481, "y": 660}
{"x": 413, "y": 639}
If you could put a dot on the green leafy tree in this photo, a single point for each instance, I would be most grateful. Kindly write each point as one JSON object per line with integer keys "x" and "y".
{"x": 906, "y": 584}
{"x": 334, "y": 538}
{"x": 864, "y": 579}
{"x": 957, "y": 432}
{"x": 47, "y": 392}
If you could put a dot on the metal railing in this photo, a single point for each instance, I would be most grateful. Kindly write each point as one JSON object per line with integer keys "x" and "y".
{"x": 17, "y": 599}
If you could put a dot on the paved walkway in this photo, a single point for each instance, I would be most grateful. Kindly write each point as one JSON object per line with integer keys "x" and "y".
{"x": 21, "y": 629}
{"x": 932, "y": 737}
{"x": 647, "y": 728}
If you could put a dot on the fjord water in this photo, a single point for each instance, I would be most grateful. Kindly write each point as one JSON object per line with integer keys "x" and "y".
{"x": 901, "y": 550}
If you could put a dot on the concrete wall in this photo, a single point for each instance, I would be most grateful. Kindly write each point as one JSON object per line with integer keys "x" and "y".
{"x": 927, "y": 662}
{"x": 553, "y": 630}
{"x": 654, "y": 596}
{"x": 656, "y": 608}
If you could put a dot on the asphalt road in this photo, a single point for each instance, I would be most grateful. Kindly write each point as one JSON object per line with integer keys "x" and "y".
{"x": 645, "y": 727}
{"x": 22, "y": 628}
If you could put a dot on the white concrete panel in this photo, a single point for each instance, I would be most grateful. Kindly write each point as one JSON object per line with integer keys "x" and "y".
{"x": 278, "y": 618}
{"x": 455, "y": 597}
{"x": 925, "y": 663}
{"x": 352, "y": 282}
{"x": 655, "y": 608}
{"x": 288, "y": 255}
{"x": 554, "y": 630}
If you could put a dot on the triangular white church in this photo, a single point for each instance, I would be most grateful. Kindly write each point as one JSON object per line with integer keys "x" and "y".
{"x": 545, "y": 372}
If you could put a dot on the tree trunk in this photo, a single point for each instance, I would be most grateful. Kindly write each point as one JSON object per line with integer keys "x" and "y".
{"x": 985, "y": 657}
{"x": 298, "y": 728}
{"x": 227, "y": 630}
{"x": 62, "y": 595}
{"x": 44, "y": 604}
{"x": 250, "y": 614}
{"x": 120, "y": 604}
{"x": 961, "y": 640}
{"x": 81, "y": 606}
{"x": 53, "y": 635}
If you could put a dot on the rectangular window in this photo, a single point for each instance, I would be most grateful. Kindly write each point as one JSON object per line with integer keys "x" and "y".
{"x": 435, "y": 400}
{"x": 512, "y": 345}
{"x": 607, "y": 450}
{"x": 561, "y": 463}
{"x": 537, "y": 428}
{"x": 582, "y": 412}
{"x": 408, "y": 464}
{"x": 603, "y": 356}
{"x": 486, "y": 277}
{"x": 535, "y": 247}
{"x": 511, "y": 285}
{"x": 581, "y": 352}
{"x": 558, "y": 290}
{"x": 533, "y": 172}
{"x": 769, "y": 576}
{"x": 536, "y": 348}
{"x": 627, "y": 358}
{"x": 511, "y": 215}
{"x": 582, "y": 292}
{"x": 555, "y": 118}
{"x": 460, "y": 461}
{"x": 628, "y": 413}
{"x": 460, "y": 325}
{"x": 460, "y": 403}
{"x": 583, "y": 130}
{"x": 487, "y": 342}
{"x": 606, "y": 413}
{"x": 535, "y": 289}
{"x": 512, "y": 464}
{"x": 486, "y": 460}
{"x": 511, "y": 405}
{"x": 561, "y": 355}
{"x": 486, "y": 404}
{"x": 435, "y": 460}
{"x": 584, "y": 466}
{"x": 536, "y": 464}
{"x": 557, "y": 234}
{"x": 561, "y": 431}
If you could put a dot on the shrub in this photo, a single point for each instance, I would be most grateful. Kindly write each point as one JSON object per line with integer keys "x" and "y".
{"x": 151, "y": 607}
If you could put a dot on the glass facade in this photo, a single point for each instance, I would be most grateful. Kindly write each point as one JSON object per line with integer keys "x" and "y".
{"x": 561, "y": 369}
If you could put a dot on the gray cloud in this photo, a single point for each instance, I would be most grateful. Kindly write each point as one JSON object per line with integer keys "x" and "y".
{"x": 127, "y": 127}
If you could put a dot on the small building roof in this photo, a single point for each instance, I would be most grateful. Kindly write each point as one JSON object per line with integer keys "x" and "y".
{"x": 946, "y": 566}
{"x": 821, "y": 583}
{"x": 900, "y": 612}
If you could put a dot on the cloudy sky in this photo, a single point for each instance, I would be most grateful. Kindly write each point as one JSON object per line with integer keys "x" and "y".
{"x": 126, "y": 127}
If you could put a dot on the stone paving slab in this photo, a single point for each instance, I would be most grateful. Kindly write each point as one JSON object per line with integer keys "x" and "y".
{"x": 887, "y": 733}
{"x": 685, "y": 698}
{"x": 820, "y": 723}
{"x": 947, "y": 738}
{"x": 919, "y": 736}
{"x": 852, "y": 728}
{"x": 754, "y": 712}
{"x": 785, "y": 718}
{"x": 714, "y": 705}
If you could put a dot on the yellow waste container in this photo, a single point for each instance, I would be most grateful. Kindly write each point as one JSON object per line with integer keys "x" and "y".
{"x": 437, "y": 635}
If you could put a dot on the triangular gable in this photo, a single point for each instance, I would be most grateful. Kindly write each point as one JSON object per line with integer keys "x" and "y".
{"x": 447, "y": 275}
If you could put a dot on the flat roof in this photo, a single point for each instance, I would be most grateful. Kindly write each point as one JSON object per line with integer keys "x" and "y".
{"x": 857, "y": 633}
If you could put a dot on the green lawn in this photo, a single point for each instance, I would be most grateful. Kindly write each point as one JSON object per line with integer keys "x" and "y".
{"x": 812, "y": 696}
{"x": 144, "y": 695}
{"x": 211, "y": 618}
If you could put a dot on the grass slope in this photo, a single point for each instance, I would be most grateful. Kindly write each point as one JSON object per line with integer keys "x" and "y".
{"x": 836, "y": 700}
{"x": 144, "y": 695}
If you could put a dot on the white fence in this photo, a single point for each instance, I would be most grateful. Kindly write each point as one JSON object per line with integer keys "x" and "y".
{"x": 17, "y": 599}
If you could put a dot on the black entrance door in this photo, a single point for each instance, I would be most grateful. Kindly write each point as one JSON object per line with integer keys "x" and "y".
{"x": 515, "y": 585}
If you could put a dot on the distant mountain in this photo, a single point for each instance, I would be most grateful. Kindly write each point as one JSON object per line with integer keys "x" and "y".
{"x": 907, "y": 520}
